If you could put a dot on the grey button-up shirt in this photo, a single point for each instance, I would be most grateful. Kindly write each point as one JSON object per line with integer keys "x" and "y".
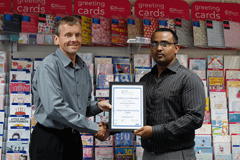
{"x": 62, "y": 94}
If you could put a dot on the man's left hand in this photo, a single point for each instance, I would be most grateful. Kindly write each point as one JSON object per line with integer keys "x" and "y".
{"x": 144, "y": 132}
{"x": 104, "y": 105}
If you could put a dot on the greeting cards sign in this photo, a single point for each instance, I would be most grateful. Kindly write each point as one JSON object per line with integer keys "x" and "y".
{"x": 43, "y": 6}
{"x": 105, "y": 8}
{"x": 5, "y": 6}
{"x": 162, "y": 9}
{"x": 215, "y": 11}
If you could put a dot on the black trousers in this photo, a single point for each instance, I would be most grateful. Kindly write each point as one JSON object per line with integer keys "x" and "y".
{"x": 53, "y": 144}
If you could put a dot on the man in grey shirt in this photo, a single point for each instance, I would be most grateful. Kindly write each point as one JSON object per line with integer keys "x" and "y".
{"x": 62, "y": 97}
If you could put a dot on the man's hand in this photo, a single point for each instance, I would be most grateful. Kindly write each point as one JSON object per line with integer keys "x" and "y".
{"x": 104, "y": 105}
{"x": 103, "y": 133}
{"x": 144, "y": 132}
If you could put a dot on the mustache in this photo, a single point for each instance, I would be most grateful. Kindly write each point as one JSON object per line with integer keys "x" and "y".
{"x": 160, "y": 53}
{"x": 73, "y": 43}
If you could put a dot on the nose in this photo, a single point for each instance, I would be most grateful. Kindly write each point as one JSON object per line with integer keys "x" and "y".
{"x": 159, "y": 47}
{"x": 74, "y": 38}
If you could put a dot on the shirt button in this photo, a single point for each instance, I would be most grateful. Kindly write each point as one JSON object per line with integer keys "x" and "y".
{"x": 78, "y": 95}
{"x": 77, "y": 81}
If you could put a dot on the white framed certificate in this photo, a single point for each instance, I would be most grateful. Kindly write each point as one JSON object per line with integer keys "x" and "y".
{"x": 128, "y": 102}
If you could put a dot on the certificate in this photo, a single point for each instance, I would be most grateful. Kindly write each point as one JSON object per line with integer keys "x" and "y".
{"x": 128, "y": 102}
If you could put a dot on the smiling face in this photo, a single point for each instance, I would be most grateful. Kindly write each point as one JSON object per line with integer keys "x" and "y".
{"x": 164, "y": 56}
{"x": 69, "y": 39}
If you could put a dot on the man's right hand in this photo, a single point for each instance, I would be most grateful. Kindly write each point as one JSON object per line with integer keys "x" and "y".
{"x": 103, "y": 133}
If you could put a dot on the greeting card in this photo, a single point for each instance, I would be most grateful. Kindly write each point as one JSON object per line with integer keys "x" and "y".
{"x": 49, "y": 39}
{"x": 216, "y": 82}
{"x": 205, "y": 129}
{"x": 234, "y": 104}
{"x": 203, "y": 140}
{"x": 215, "y": 62}
{"x": 104, "y": 69}
{"x": 234, "y": 127}
{"x": 215, "y": 33}
{"x": 231, "y": 62}
{"x": 19, "y": 86}
{"x": 142, "y": 60}
{"x": 123, "y": 60}
{"x": 124, "y": 139}
{"x": 197, "y": 63}
{"x": 86, "y": 23}
{"x": 200, "y": 33}
{"x": 18, "y": 123}
{"x": 232, "y": 74}
{"x": 29, "y": 22}
{"x": 46, "y": 24}
{"x": 234, "y": 116}
{"x": 221, "y": 93}
{"x": 18, "y": 135}
{"x": 231, "y": 34}
{"x": 87, "y": 140}
{"x": 102, "y": 92}
{"x": 223, "y": 156}
{"x": 86, "y": 57}
{"x": 23, "y": 38}
{"x": 37, "y": 62}
{"x": 20, "y": 97}
{"x": 102, "y": 117}
{"x": 222, "y": 148}
{"x": 20, "y": 74}
{"x": 32, "y": 38}
{"x": 104, "y": 153}
{"x": 16, "y": 156}
{"x": 149, "y": 26}
{"x": 139, "y": 151}
{"x": 218, "y": 103}
{"x": 122, "y": 68}
{"x": 184, "y": 32}
{"x": 206, "y": 117}
{"x": 25, "y": 63}
{"x": 21, "y": 110}
{"x": 122, "y": 78}
{"x": 87, "y": 152}
{"x": 183, "y": 59}
{"x": 17, "y": 147}
{"x": 119, "y": 30}
{"x": 40, "y": 39}
{"x": 220, "y": 127}
{"x": 108, "y": 142}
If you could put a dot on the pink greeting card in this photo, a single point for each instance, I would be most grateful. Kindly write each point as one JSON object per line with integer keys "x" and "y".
{"x": 108, "y": 142}
{"x": 19, "y": 86}
{"x": 40, "y": 38}
{"x": 87, "y": 152}
{"x": 104, "y": 153}
{"x": 22, "y": 64}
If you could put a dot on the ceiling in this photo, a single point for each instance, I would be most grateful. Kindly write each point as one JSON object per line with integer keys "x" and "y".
{"x": 191, "y": 1}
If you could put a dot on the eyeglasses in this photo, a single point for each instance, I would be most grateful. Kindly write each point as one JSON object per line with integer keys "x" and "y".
{"x": 164, "y": 44}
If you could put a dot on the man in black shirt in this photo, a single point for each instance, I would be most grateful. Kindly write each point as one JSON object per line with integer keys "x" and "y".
{"x": 175, "y": 102}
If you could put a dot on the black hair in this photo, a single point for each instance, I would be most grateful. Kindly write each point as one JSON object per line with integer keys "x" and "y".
{"x": 175, "y": 37}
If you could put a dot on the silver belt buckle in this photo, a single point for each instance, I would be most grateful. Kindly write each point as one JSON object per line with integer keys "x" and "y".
{"x": 152, "y": 152}
{"x": 73, "y": 130}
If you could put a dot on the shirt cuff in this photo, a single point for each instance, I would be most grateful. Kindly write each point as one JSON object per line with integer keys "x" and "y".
{"x": 158, "y": 133}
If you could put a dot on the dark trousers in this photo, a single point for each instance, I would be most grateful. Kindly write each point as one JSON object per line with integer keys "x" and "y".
{"x": 53, "y": 144}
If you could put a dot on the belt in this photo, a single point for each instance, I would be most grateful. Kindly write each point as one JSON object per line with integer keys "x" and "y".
{"x": 71, "y": 130}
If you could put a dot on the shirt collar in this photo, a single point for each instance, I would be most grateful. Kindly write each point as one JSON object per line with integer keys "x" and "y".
{"x": 66, "y": 61}
{"x": 173, "y": 67}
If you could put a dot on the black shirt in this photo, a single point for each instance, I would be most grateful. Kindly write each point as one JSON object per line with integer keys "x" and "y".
{"x": 175, "y": 105}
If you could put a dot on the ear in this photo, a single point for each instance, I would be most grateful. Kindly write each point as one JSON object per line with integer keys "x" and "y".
{"x": 56, "y": 39}
{"x": 176, "y": 47}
